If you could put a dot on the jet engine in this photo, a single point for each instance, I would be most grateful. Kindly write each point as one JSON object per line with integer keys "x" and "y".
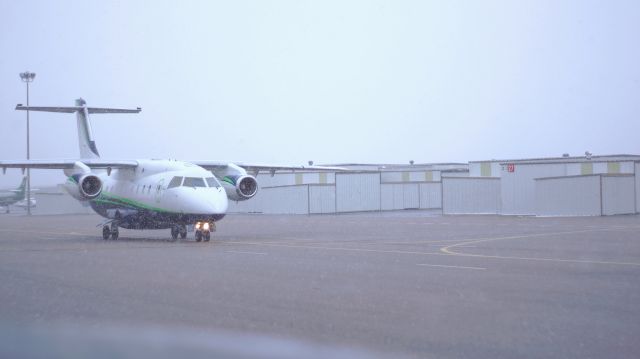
{"x": 239, "y": 185}
{"x": 240, "y": 188}
{"x": 87, "y": 187}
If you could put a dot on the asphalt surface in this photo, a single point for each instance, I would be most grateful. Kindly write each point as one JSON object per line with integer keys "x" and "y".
{"x": 367, "y": 285}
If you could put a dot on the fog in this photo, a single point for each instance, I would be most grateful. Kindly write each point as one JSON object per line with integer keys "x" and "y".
{"x": 331, "y": 81}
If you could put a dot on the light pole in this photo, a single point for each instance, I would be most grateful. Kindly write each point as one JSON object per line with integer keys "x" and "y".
{"x": 28, "y": 77}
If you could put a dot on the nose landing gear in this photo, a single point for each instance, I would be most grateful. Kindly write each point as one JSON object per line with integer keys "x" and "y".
{"x": 203, "y": 230}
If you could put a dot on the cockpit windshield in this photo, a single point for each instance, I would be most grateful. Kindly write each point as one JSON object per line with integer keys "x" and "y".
{"x": 175, "y": 182}
{"x": 178, "y": 181}
{"x": 213, "y": 182}
{"x": 194, "y": 182}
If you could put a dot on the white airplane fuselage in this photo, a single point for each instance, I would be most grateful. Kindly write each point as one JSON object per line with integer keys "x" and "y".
{"x": 144, "y": 197}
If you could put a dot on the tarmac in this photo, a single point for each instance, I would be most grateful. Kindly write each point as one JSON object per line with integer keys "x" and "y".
{"x": 399, "y": 284}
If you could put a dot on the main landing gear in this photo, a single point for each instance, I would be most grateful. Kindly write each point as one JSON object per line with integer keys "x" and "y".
{"x": 110, "y": 231}
{"x": 203, "y": 230}
{"x": 179, "y": 230}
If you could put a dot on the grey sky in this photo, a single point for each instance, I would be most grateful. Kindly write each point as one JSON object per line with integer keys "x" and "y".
{"x": 333, "y": 81}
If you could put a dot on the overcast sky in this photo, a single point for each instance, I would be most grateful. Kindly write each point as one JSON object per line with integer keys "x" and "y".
{"x": 331, "y": 81}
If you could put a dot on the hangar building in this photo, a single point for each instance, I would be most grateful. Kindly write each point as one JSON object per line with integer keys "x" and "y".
{"x": 563, "y": 186}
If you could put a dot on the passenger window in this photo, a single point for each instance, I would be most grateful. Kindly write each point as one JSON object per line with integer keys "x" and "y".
{"x": 194, "y": 182}
{"x": 213, "y": 182}
{"x": 175, "y": 182}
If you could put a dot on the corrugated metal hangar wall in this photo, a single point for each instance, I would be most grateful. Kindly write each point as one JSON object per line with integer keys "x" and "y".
{"x": 519, "y": 183}
{"x": 362, "y": 191}
{"x": 587, "y": 195}
{"x": 637, "y": 189}
{"x": 477, "y": 195}
{"x": 553, "y": 187}
{"x": 569, "y": 196}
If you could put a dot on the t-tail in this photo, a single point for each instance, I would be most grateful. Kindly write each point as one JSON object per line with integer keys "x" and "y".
{"x": 87, "y": 144}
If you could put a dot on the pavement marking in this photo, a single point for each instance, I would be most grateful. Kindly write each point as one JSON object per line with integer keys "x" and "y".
{"x": 370, "y": 240}
{"x": 559, "y": 260}
{"x": 464, "y": 242}
{"x": 444, "y": 266}
{"x": 48, "y": 232}
{"x": 247, "y": 252}
{"x": 87, "y": 249}
{"x": 339, "y": 248}
{"x": 60, "y": 235}
{"x": 447, "y": 250}
{"x": 418, "y": 241}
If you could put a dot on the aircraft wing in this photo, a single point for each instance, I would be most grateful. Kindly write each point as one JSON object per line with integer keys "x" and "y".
{"x": 64, "y": 164}
{"x": 217, "y": 165}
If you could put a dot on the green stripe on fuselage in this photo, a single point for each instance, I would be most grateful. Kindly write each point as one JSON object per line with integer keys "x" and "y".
{"x": 109, "y": 198}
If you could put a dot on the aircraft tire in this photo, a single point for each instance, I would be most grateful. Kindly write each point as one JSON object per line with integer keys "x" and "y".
{"x": 174, "y": 232}
{"x": 207, "y": 236}
{"x": 106, "y": 232}
{"x": 198, "y": 236}
{"x": 183, "y": 231}
{"x": 114, "y": 233}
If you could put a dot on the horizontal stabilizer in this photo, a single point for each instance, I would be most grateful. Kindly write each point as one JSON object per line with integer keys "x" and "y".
{"x": 73, "y": 109}
{"x": 112, "y": 110}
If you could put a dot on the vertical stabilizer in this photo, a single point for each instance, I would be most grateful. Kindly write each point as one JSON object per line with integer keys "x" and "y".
{"x": 21, "y": 188}
{"x": 88, "y": 149}
{"x": 87, "y": 145}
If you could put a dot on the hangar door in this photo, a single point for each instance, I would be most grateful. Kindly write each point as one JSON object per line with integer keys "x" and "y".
{"x": 357, "y": 192}
{"x": 400, "y": 196}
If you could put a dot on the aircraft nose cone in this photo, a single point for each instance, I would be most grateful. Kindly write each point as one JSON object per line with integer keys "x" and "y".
{"x": 207, "y": 201}
{"x": 210, "y": 202}
{"x": 218, "y": 203}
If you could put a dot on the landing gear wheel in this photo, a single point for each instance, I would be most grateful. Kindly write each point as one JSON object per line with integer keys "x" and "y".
{"x": 207, "y": 236}
{"x": 183, "y": 231}
{"x": 114, "y": 231}
{"x": 106, "y": 232}
{"x": 174, "y": 232}
{"x": 198, "y": 236}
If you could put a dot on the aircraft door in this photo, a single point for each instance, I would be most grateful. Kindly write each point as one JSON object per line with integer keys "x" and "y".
{"x": 159, "y": 190}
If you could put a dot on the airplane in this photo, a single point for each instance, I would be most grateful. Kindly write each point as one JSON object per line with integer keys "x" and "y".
{"x": 150, "y": 193}
{"x": 15, "y": 197}
{"x": 23, "y": 204}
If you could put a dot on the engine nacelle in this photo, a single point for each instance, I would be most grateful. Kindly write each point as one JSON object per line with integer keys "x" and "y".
{"x": 87, "y": 187}
{"x": 240, "y": 188}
